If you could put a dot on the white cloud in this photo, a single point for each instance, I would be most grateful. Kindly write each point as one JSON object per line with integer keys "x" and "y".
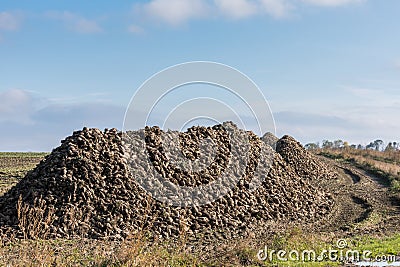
{"x": 277, "y": 8}
{"x": 11, "y": 100}
{"x": 174, "y": 12}
{"x": 16, "y": 105}
{"x": 237, "y": 8}
{"x": 10, "y": 21}
{"x": 332, "y": 3}
{"x": 135, "y": 29}
{"x": 75, "y": 22}
{"x": 34, "y": 123}
{"x": 364, "y": 92}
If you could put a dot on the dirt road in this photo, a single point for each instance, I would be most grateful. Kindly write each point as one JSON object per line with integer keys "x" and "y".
{"x": 364, "y": 203}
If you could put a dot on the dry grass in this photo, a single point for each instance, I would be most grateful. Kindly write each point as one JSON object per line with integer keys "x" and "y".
{"x": 84, "y": 252}
{"x": 391, "y": 168}
{"x": 383, "y": 156}
{"x": 141, "y": 252}
{"x": 137, "y": 250}
{"x": 35, "y": 220}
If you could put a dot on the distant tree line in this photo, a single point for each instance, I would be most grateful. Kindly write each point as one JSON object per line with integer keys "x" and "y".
{"x": 377, "y": 145}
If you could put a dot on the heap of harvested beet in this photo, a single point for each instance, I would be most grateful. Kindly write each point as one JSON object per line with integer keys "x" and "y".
{"x": 85, "y": 188}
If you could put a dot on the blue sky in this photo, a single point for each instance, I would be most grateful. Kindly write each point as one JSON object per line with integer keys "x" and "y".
{"x": 329, "y": 68}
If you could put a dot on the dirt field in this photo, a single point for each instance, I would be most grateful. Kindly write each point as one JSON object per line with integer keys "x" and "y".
{"x": 366, "y": 215}
{"x": 14, "y": 166}
{"x": 366, "y": 204}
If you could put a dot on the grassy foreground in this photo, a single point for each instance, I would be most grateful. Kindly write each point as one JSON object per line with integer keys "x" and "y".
{"x": 139, "y": 252}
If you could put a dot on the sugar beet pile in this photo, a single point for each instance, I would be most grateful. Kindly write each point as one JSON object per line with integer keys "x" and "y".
{"x": 87, "y": 190}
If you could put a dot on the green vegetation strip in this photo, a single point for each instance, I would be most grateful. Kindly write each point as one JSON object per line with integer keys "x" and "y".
{"x": 378, "y": 248}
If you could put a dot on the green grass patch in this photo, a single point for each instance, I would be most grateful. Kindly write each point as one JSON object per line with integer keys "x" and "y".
{"x": 378, "y": 246}
{"x": 374, "y": 248}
